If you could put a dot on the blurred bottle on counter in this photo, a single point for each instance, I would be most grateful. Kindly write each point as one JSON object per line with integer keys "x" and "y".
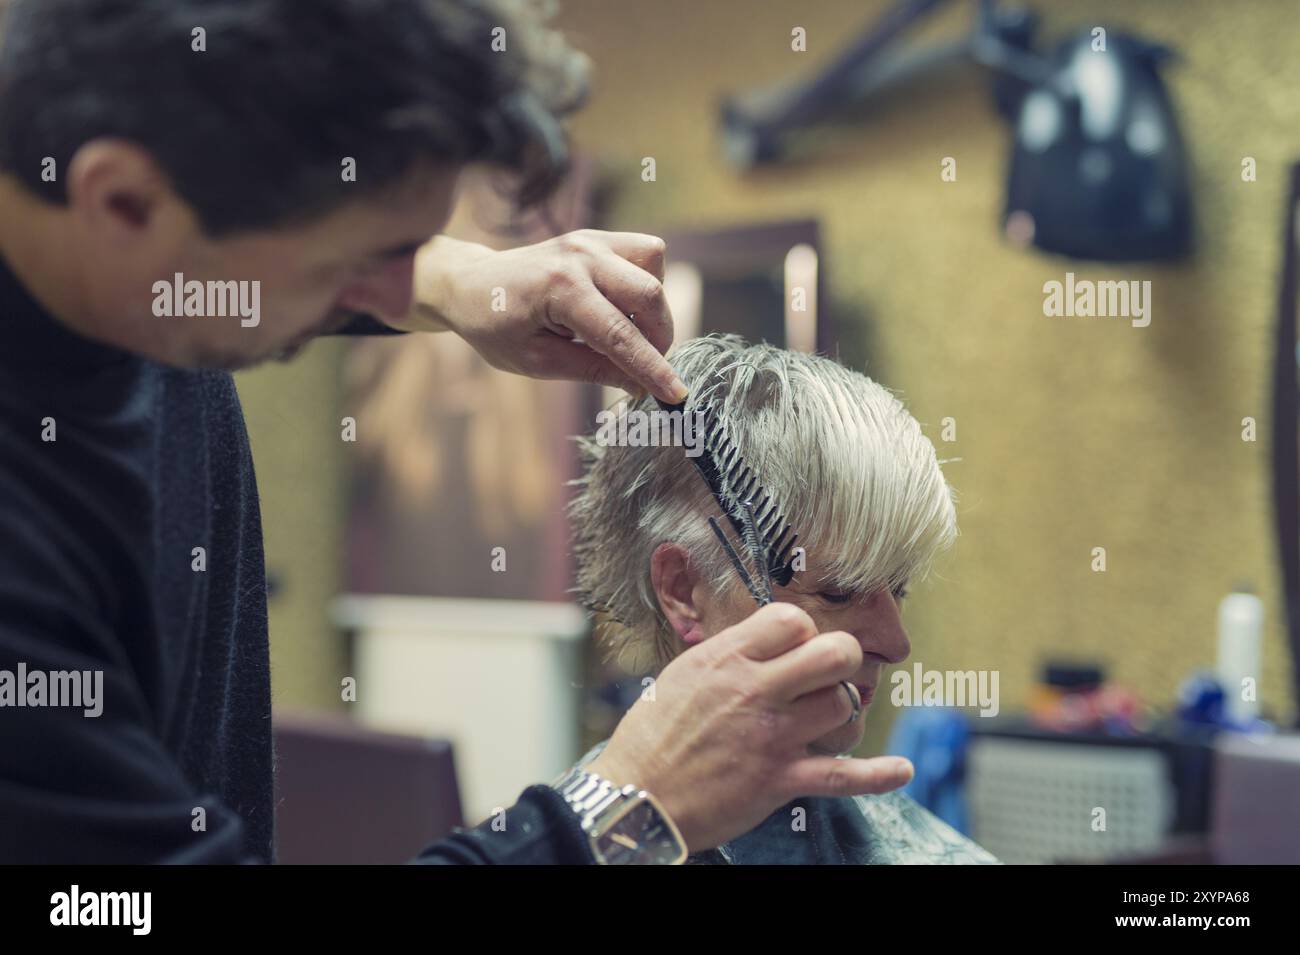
{"x": 1228, "y": 697}
{"x": 1241, "y": 639}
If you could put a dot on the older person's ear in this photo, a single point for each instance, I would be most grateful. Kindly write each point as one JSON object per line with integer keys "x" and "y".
{"x": 674, "y": 580}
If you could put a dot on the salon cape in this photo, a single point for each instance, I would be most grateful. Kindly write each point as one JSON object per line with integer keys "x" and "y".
{"x": 889, "y": 829}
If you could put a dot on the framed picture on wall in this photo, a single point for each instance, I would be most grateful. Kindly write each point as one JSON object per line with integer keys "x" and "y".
{"x": 459, "y": 479}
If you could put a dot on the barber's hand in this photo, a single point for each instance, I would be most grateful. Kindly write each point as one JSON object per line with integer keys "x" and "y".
{"x": 557, "y": 309}
{"x": 724, "y": 741}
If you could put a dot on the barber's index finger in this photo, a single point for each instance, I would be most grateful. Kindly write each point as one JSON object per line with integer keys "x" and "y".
{"x": 628, "y": 350}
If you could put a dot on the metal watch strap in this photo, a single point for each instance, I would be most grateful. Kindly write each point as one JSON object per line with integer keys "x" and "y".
{"x": 589, "y": 795}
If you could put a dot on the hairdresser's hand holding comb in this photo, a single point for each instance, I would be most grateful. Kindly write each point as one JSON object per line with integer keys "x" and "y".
{"x": 724, "y": 741}
{"x": 557, "y": 309}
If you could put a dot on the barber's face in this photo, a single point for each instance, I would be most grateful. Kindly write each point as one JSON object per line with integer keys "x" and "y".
{"x": 874, "y": 619}
{"x": 131, "y": 231}
{"x": 316, "y": 278}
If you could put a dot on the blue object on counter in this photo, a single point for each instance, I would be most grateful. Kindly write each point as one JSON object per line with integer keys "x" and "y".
{"x": 934, "y": 739}
{"x": 1201, "y": 701}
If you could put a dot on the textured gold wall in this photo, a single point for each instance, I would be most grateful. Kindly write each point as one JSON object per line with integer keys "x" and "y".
{"x": 293, "y": 423}
{"x": 1072, "y": 433}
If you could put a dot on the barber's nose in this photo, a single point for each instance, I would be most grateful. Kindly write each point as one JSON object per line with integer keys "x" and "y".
{"x": 388, "y": 292}
{"x": 881, "y": 629}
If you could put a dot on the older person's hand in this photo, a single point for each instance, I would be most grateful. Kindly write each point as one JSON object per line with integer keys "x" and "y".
{"x": 724, "y": 740}
{"x": 557, "y": 309}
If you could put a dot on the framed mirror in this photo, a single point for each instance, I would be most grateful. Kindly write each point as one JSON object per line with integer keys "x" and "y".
{"x": 764, "y": 282}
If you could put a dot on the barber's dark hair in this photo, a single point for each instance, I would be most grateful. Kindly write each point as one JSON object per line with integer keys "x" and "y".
{"x": 253, "y": 131}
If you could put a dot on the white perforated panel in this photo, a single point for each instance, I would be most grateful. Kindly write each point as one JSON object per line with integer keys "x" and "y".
{"x": 1038, "y": 802}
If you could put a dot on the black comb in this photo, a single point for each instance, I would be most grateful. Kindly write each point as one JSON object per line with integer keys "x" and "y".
{"x": 750, "y": 509}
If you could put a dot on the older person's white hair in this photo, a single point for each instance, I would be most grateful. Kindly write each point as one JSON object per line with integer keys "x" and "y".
{"x": 844, "y": 460}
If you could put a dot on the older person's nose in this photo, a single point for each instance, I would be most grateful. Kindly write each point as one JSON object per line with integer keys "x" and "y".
{"x": 880, "y": 628}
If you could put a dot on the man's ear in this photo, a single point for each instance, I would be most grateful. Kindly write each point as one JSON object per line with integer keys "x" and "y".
{"x": 120, "y": 193}
{"x": 674, "y": 580}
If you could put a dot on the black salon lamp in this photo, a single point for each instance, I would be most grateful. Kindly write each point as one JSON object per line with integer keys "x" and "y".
{"x": 1098, "y": 169}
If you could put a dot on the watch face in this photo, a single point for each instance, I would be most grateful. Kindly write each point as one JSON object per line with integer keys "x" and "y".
{"x": 639, "y": 836}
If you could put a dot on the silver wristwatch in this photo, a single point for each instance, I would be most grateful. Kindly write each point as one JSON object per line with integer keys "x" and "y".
{"x": 624, "y": 825}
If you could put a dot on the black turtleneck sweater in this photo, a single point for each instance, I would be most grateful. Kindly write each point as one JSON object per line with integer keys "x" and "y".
{"x": 113, "y": 470}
